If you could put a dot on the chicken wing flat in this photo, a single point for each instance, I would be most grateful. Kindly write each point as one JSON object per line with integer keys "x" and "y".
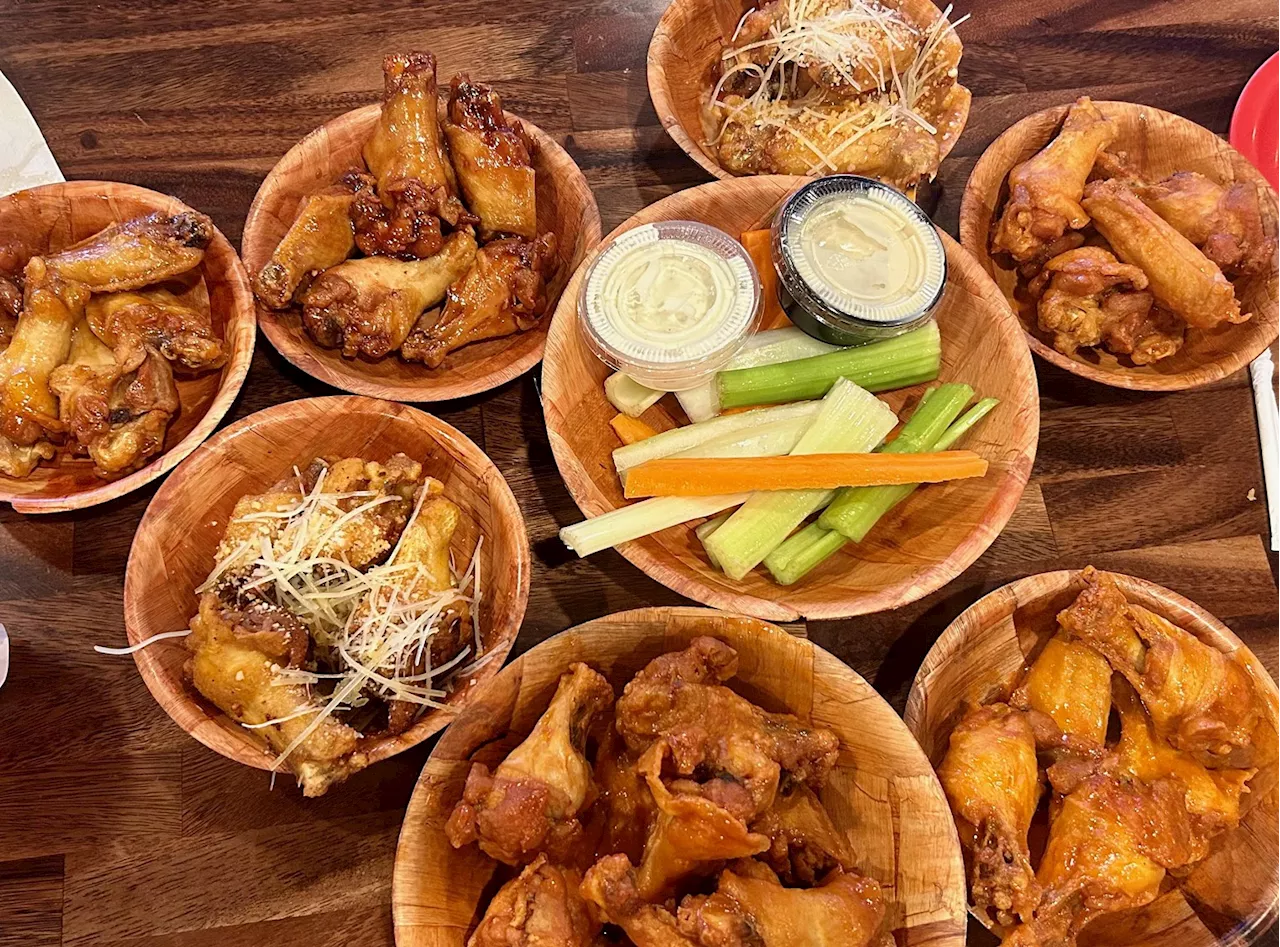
{"x": 503, "y": 293}
{"x": 1069, "y": 684}
{"x": 1045, "y": 190}
{"x": 321, "y": 236}
{"x": 804, "y": 844}
{"x": 133, "y": 322}
{"x": 680, "y": 697}
{"x": 367, "y": 306}
{"x": 541, "y": 907}
{"x": 991, "y": 779}
{"x": 493, "y": 159}
{"x": 137, "y": 252}
{"x": 531, "y": 802}
{"x": 1182, "y": 279}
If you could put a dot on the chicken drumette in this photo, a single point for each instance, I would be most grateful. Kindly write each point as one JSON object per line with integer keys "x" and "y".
{"x": 540, "y": 907}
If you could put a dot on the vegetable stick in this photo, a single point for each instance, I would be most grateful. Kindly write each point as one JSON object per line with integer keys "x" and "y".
{"x": 759, "y": 245}
{"x": 631, "y": 430}
{"x": 629, "y": 396}
{"x": 704, "y": 531}
{"x": 640, "y": 519}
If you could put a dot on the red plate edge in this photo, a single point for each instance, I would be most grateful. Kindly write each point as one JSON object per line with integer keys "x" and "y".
{"x": 1254, "y": 131}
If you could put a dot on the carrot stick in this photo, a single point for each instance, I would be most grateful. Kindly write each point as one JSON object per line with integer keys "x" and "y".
{"x": 692, "y": 477}
{"x": 759, "y": 245}
{"x": 630, "y": 430}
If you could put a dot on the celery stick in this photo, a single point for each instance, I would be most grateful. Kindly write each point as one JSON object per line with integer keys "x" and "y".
{"x": 691, "y": 435}
{"x": 704, "y": 530}
{"x": 967, "y": 421}
{"x": 763, "y": 348}
{"x": 629, "y": 396}
{"x": 850, "y": 420}
{"x": 640, "y": 519}
{"x": 907, "y": 359}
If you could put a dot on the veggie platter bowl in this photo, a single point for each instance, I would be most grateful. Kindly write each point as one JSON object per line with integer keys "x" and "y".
{"x": 915, "y": 547}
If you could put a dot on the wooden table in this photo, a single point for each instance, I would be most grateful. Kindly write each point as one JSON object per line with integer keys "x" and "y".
{"x": 115, "y": 827}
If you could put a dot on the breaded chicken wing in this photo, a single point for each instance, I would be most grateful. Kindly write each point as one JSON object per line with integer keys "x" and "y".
{"x": 156, "y": 319}
{"x": 137, "y": 252}
{"x": 540, "y": 907}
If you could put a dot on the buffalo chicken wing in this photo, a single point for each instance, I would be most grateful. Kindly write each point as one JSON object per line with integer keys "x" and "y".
{"x": 540, "y": 907}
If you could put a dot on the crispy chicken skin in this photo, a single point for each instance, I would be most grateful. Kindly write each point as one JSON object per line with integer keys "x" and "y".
{"x": 133, "y": 322}
{"x": 137, "y": 252}
{"x": 1181, "y": 278}
{"x": 320, "y": 236}
{"x": 531, "y": 802}
{"x": 367, "y": 306}
{"x": 610, "y": 884}
{"x": 1069, "y": 684}
{"x": 493, "y": 159}
{"x": 503, "y": 293}
{"x": 1045, "y": 190}
{"x": 804, "y": 844}
{"x": 991, "y": 779}
{"x": 541, "y": 907}
{"x": 680, "y": 697}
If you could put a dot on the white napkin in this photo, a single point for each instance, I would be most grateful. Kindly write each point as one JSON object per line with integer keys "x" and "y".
{"x": 1261, "y": 372}
{"x": 25, "y": 158}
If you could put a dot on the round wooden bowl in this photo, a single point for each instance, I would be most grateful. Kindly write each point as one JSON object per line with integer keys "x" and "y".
{"x": 683, "y": 54}
{"x": 981, "y": 654}
{"x": 882, "y": 793}
{"x": 920, "y": 546}
{"x": 566, "y": 208}
{"x": 173, "y": 549}
{"x": 54, "y": 216}
{"x": 1159, "y": 143}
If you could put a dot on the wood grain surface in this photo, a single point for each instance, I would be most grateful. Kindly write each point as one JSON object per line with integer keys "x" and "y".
{"x": 119, "y": 830}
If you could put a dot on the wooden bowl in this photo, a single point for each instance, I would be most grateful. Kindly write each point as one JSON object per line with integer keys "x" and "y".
{"x": 684, "y": 51}
{"x": 566, "y": 208}
{"x": 984, "y": 650}
{"x": 173, "y": 549}
{"x": 1159, "y": 143}
{"x": 57, "y": 215}
{"x": 919, "y": 547}
{"x": 882, "y": 793}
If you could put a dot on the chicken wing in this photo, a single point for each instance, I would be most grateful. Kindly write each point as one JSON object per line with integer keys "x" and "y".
{"x": 610, "y": 884}
{"x": 408, "y": 229}
{"x": 493, "y": 159}
{"x": 532, "y": 801}
{"x": 992, "y": 781}
{"x": 156, "y": 319}
{"x": 1181, "y": 278}
{"x": 1045, "y": 190}
{"x": 321, "y": 236}
{"x": 540, "y": 907}
{"x": 679, "y": 697}
{"x": 137, "y": 252}
{"x": 503, "y": 293}
{"x": 1069, "y": 684}
{"x": 10, "y": 307}
{"x": 625, "y": 810}
{"x": 367, "y": 306}
{"x": 804, "y": 844}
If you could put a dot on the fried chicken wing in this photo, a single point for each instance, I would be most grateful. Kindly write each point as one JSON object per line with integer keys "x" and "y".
{"x": 541, "y": 907}
{"x": 532, "y": 801}
{"x": 991, "y": 779}
{"x": 679, "y": 697}
{"x": 1045, "y": 190}
{"x": 10, "y": 307}
{"x": 137, "y": 252}
{"x": 804, "y": 844}
{"x": 503, "y": 293}
{"x": 408, "y": 227}
{"x": 321, "y": 236}
{"x": 156, "y": 319}
{"x": 1070, "y": 684}
{"x": 367, "y": 306}
{"x": 625, "y": 810}
{"x": 610, "y": 884}
{"x": 1181, "y": 278}
{"x": 493, "y": 159}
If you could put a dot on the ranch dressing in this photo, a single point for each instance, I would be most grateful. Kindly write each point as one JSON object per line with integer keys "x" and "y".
{"x": 863, "y": 249}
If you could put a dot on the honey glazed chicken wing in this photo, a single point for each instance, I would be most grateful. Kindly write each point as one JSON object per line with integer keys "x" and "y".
{"x": 503, "y": 293}
{"x": 320, "y": 236}
{"x": 156, "y": 319}
{"x": 493, "y": 159}
{"x": 137, "y": 252}
{"x": 541, "y": 907}
{"x": 408, "y": 227}
{"x": 1045, "y": 190}
{"x": 532, "y": 800}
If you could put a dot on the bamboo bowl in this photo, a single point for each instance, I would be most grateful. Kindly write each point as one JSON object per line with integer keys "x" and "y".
{"x": 882, "y": 794}
{"x": 566, "y": 208}
{"x": 684, "y": 51}
{"x": 173, "y": 549}
{"x": 983, "y": 651}
{"x": 920, "y": 546}
{"x": 57, "y": 215}
{"x": 1159, "y": 143}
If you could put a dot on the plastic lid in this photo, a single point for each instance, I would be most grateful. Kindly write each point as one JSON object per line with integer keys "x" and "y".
{"x": 669, "y": 303}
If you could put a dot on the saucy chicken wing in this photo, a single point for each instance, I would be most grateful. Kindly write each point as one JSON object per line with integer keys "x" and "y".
{"x": 610, "y": 884}
{"x": 1045, "y": 190}
{"x": 136, "y": 253}
{"x": 503, "y": 293}
{"x": 321, "y": 236}
{"x": 408, "y": 227}
{"x": 367, "y": 307}
{"x": 804, "y": 844}
{"x": 625, "y": 810}
{"x": 532, "y": 801}
{"x": 1181, "y": 278}
{"x": 540, "y": 907}
{"x": 132, "y": 323}
{"x": 493, "y": 159}
{"x": 991, "y": 779}
{"x": 10, "y": 307}
{"x": 1069, "y": 684}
